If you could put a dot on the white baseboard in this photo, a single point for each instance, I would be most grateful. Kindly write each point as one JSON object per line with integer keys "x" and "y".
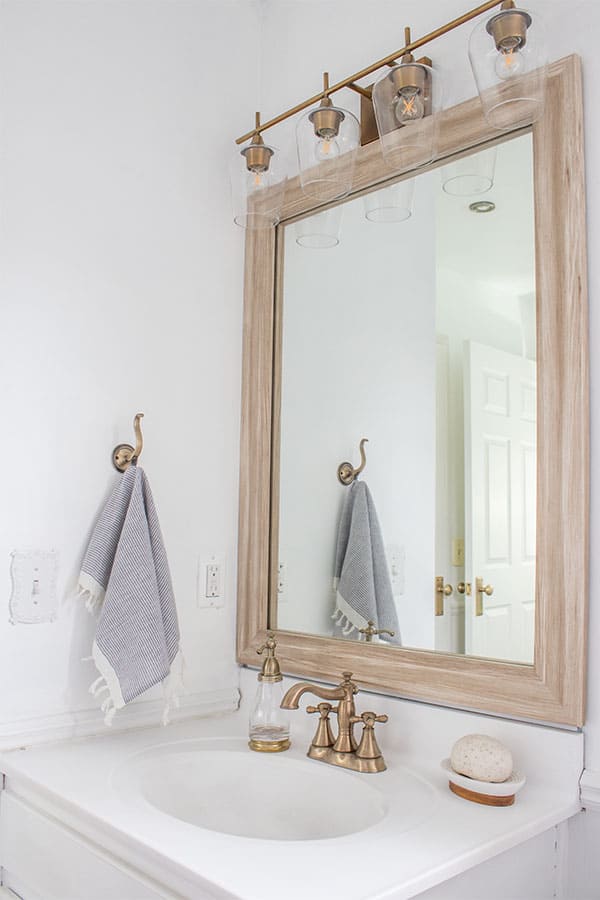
{"x": 590, "y": 790}
{"x": 86, "y": 722}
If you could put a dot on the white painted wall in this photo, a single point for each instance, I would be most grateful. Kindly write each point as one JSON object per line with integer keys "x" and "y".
{"x": 120, "y": 290}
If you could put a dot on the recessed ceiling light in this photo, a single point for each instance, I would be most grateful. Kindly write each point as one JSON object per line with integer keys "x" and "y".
{"x": 482, "y": 206}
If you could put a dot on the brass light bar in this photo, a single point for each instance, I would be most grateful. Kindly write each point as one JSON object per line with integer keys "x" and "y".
{"x": 386, "y": 61}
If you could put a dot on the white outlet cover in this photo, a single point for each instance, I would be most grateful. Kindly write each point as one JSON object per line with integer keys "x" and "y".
{"x": 33, "y": 598}
{"x": 210, "y": 559}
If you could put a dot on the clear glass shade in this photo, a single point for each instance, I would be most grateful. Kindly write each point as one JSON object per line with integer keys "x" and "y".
{"x": 320, "y": 231}
{"x": 508, "y": 57}
{"x": 471, "y": 175}
{"x": 406, "y": 101}
{"x": 390, "y": 204}
{"x": 257, "y": 192}
{"x": 327, "y": 139}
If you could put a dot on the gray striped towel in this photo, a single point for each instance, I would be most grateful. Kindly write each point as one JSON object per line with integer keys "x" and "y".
{"x": 125, "y": 572}
{"x": 362, "y": 581}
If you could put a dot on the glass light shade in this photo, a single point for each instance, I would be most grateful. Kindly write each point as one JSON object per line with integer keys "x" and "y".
{"x": 257, "y": 192}
{"x": 327, "y": 139}
{"x": 406, "y": 100}
{"x": 508, "y": 57}
{"x": 391, "y": 204}
{"x": 320, "y": 231}
{"x": 471, "y": 175}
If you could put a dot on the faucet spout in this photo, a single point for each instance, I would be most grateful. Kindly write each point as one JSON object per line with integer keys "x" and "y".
{"x": 291, "y": 699}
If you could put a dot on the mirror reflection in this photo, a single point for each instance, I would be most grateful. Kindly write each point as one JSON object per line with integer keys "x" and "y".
{"x": 407, "y": 318}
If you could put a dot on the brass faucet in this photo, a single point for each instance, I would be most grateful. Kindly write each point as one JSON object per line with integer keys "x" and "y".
{"x": 343, "y": 750}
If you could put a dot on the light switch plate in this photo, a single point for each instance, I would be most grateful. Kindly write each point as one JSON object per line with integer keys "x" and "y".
{"x": 34, "y": 575}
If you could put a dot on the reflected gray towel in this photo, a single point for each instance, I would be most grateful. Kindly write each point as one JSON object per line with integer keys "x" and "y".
{"x": 362, "y": 580}
{"x": 125, "y": 570}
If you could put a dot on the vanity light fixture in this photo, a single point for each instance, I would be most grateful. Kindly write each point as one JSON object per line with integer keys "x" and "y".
{"x": 405, "y": 100}
{"x": 327, "y": 139}
{"x": 509, "y": 64}
{"x": 508, "y": 58}
{"x": 258, "y": 185}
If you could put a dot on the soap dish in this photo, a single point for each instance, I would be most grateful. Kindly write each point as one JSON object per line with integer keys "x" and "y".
{"x": 488, "y": 793}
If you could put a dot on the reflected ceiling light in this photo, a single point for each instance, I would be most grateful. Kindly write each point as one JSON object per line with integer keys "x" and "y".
{"x": 327, "y": 139}
{"x": 473, "y": 174}
{"x": 257, "y": 185}
{"x": 482, "y": 206}
{"x": 405, "y": 100}
{"x": 508, "y": 58}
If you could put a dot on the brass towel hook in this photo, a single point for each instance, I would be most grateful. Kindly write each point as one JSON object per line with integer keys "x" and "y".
{"x": 124, "y": 454}
{"x": 346, "y": 472}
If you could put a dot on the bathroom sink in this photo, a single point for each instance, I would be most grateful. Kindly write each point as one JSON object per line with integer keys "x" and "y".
{"x": 222, "y": 786}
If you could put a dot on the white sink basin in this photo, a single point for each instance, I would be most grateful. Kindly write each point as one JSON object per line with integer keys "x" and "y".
{"x": 223, "y": 786}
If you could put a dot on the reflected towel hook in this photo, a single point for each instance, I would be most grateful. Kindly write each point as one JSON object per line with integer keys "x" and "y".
{"x": 124, "y": 454}
{"x": 346, "y": 472}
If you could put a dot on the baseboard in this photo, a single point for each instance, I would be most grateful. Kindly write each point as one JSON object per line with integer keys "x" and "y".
{"x": 589, "y": 785}
{"x": 86, "y": 722}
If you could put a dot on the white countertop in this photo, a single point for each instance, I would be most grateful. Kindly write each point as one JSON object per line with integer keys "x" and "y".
{"x": 72, "y": 782}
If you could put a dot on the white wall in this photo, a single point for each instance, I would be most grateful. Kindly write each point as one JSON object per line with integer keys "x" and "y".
{"x": 120, "y": 290}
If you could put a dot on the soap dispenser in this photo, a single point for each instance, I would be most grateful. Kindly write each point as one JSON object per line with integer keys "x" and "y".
{"x": 269, "y": 724}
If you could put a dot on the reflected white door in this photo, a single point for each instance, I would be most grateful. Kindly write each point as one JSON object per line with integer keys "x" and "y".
{"x": 500, "y": 507}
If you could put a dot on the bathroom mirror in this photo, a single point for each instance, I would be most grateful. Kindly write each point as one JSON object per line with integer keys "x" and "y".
{"x": 450, "y": 330}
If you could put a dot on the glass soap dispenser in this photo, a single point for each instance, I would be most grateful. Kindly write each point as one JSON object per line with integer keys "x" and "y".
{"x": 269, "y": 724}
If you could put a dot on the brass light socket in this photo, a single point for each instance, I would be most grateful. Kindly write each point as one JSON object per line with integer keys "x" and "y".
{"x": 415, "y": 77}
{"x": 257, "y": 156}
{"x": 509, "y": 29}
{"x": 326, "y": 121}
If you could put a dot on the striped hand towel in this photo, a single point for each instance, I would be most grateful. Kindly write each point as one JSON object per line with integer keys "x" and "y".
{"x": 362, "y": 581}
{"x": 125, "y": 572}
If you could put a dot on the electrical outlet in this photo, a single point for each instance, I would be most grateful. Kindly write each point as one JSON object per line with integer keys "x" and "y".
{"x": 211, "y": 581}
{"x": 281, "y": 580}
{"x": 396, "y": 559}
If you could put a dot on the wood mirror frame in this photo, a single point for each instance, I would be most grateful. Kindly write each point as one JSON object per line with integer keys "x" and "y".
{"x": 553, "y": 689}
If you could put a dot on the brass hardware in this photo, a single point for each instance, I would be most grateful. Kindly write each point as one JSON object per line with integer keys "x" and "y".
{"x": 257, "y": 154}
{"x": 323, "y": 735}
{"x": 373, "y": 67}
{"x": 326, "y": 119}
{"x": 368, "y": 749}
{"x": 343, "y": 750}
{"x": 270, "y": 667}
{"x": 270, "y": 746}
{"x": 124, "y": 454}
{"x": 370, "y": 630}
{"x": 346, "y": 472}
{"x": 509, "y": 29}
{"x": 480, "y": 590}
{"x": 441, "y": 590}
{"x": 464, "y": 587}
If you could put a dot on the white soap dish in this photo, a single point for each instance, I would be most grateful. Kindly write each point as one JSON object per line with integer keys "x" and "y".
{"x": 488, "y": 793}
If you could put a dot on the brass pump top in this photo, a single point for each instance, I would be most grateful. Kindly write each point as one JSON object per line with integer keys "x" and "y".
{"x": 270, "y": 667}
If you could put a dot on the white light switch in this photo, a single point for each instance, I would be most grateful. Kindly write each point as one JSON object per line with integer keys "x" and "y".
{"x": 33, "y": 598}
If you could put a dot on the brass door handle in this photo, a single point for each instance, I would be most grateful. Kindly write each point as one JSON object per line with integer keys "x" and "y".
{"x": 481, "y": 589}
{"x": 464, "y": 587}
{"x": 441, "y": 590}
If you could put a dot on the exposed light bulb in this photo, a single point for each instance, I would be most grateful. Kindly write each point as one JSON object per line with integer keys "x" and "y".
{"x": 509, "y": 63}
{"x": 409, "y": 106}
{"x": 255, "y": 180}
{"x": 326, "y": 148}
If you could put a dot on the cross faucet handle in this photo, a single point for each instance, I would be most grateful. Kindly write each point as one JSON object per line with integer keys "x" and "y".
{"x": 368, "y": 747}
{"x": 323, "y": 736}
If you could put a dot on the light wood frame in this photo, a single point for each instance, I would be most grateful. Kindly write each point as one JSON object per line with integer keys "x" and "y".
{"x": 553, "y": 689}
